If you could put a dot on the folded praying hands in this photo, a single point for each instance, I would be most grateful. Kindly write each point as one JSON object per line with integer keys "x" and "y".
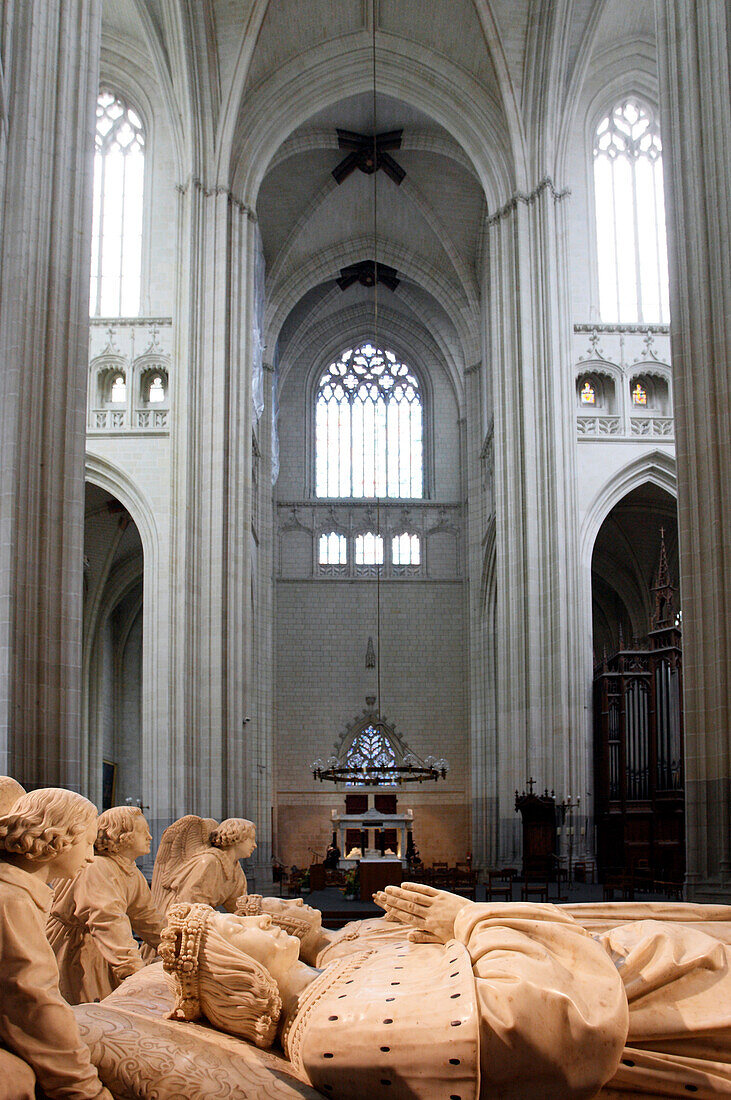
{"x": 431, "y": 913}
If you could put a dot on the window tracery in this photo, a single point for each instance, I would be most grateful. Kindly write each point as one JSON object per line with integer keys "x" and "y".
{"x": 333, "y": 549}
{"x": 119, "y": 162}
{"x": 368, "y": 427}
{"x": 406, "y": 549}
{"x": 371, "y": 747}
{"x": 630, "y": 215}
{"x": 369, "y": 549}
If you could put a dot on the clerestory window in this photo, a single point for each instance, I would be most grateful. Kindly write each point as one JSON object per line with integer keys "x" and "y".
{"x": 630, "y": 216}
{"x": 368, "y": 427}
{"x": 119, "y": 166}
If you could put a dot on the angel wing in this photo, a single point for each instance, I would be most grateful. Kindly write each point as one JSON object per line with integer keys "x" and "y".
{"x": 185, "y": 838}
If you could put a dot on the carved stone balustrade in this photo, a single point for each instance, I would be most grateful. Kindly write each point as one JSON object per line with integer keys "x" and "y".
{"x": 623, "y": 382}
{"x": 129, "y": 376}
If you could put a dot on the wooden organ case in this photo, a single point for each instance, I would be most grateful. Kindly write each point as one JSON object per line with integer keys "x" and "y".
{"x": 638, "y": 748}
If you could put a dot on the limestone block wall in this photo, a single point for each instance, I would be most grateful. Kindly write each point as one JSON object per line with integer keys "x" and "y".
{"x": 322, "y": 631}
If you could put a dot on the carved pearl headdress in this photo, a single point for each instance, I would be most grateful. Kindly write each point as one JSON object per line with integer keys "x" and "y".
{"x": 250, "y": 905}
{"x": 179, "y": 950}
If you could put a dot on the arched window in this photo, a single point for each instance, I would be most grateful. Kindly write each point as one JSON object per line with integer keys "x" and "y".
{"x": 368, "y": 429}
{"x": 630, "y": 215}
{"x": 406, "y": 550}
{"x": 587, "y": 393}
{"x": 639, "y": 394}
{"x": 156, "y": 392}
{"x": 333, "y": 549}
{"x": 116, "y": 252}
{"x": 118, "y": 391}
{"x": 369, "y": 549}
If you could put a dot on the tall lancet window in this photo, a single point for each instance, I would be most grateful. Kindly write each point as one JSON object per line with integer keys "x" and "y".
{"x": 119, "y": 168}
{"x": 630, "y": 216}
{"x": 368, "y": 427}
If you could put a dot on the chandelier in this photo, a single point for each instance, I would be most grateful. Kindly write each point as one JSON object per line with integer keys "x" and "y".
{"x": 412, "y": 769}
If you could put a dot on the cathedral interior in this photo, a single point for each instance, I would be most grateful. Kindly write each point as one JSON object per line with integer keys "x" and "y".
{"x": 365, "y": 395}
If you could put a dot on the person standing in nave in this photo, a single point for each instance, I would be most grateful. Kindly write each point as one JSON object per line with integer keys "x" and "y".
{"x": 48, "y": 835}
{"x": 93, "y": 917}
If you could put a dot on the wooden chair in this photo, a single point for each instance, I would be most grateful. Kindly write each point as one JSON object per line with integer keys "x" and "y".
{"x": 533, "y": 889}
{"x": 499, "y": 885}
{"x": 465, "y": 881}
{"x": 620, "y": 882}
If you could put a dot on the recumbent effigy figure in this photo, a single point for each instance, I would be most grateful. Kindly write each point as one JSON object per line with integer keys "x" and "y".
{"x": 510, "y": 1004}
{"x": 46, "y": 835}
{"x": 198, "y": 861}
{"x": 94, "y": 916}
{"x": 532, "y": 1005}
{"x": 320, "y": 946}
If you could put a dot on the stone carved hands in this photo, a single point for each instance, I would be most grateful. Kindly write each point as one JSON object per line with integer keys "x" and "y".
{"x": 430, "y": 912}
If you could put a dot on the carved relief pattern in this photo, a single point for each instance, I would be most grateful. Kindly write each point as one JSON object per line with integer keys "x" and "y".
{"x": 598, "y": 425}
{"x": 352, "y": 518}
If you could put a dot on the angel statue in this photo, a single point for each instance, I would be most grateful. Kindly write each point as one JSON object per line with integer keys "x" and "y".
{"x": 198, "y": 861}
{"x": 95, "y": 916}
{"x": 46, "y": 836}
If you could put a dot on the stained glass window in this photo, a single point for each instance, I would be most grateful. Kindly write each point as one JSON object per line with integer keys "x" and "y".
{"x": 639, "y": 395}
{"x": 406, "y": 550}
{"x": 368, "y": 427}
{"x": 369, "y": 549}
{"x": 333, "y": 549}
{"x": 119, "y": 166}
{"x": 370, "y": 748}
{"x": 630, "y": 215}
{"x": 588, "y": 394}
{"x": 118, "y": 391}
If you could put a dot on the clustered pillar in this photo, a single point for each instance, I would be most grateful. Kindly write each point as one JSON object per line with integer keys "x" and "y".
{"x": 538, "y": 687}
{"x": 695, "y": 91}
{"x": 51, "y": 80}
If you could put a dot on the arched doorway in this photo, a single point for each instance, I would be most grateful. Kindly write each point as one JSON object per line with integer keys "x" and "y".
{"x": 624, "y": 563}
{"x": 113, "y": 610}
{"x": 638, "y": 750}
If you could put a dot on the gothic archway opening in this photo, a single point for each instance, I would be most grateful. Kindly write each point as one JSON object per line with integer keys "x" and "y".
{"x": 638, "y": 715}
{"x": 113, "y": 613}
{"x": 624, "y": 563}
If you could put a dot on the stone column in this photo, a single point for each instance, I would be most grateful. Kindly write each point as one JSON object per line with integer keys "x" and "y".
{"x": 51, "y": 82}
{"x": 480, "y": 543}
{"x": 539, "y": 661}
{"x": 211, "y": 620}
{"x": 259, "y": 731}
{"x": 693, "y": 51}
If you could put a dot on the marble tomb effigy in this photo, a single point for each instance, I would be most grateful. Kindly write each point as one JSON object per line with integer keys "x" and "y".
{"x": 540, "y": 1004}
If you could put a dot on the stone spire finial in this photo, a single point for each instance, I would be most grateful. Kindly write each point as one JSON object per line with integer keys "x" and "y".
{"x": 663, "y": 613}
